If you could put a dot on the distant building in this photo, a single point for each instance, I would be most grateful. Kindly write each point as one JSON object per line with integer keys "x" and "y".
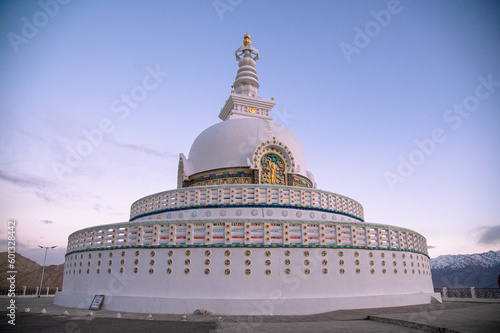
{"x": 246, "y": 232}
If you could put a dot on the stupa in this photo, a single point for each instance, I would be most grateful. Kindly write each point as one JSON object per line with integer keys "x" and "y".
{"x": 246, "y": 232}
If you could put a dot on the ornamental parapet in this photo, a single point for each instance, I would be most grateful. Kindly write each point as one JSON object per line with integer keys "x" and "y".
{"x": 246, "y": 233}
{"x": 246, "y": 196}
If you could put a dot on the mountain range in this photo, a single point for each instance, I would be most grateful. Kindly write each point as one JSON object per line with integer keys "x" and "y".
{"x": 29, "y": 274}
{"x": 478, "y": 270}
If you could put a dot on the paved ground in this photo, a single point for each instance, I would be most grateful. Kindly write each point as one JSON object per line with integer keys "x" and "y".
{"x": 435, "y": 317}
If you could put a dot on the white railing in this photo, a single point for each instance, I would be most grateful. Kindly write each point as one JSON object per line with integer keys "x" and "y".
{"x": 247, "y": 232}
{"x": 238, "y": 195}
{"x": 469, "y": 293}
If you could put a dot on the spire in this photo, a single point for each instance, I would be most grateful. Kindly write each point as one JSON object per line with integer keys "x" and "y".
{"x": 246, "y": 81}
{"x": 243, "y": 101}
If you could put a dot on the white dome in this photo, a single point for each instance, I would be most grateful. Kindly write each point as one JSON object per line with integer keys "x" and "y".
{"x": 232, "y": 143}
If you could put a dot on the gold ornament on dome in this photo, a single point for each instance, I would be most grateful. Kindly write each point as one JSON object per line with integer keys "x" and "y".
{"x": 246, "y": 40}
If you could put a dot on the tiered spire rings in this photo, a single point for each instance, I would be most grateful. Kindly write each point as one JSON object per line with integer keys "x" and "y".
{"x": 246, "y": 81}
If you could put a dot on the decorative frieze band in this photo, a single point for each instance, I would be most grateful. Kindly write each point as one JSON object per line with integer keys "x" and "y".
{"x": 238, "y": 195}
{"x": 246, "y": 232}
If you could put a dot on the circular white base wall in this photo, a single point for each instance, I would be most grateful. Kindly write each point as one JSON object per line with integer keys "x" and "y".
{"x": 244, "y": 280}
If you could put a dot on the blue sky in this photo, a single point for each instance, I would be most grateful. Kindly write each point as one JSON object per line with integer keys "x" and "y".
{"x": 396, "y": 105}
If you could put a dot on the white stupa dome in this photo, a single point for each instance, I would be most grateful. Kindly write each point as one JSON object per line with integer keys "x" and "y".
{"x": 233, "y": 143}
{"x": 247, "y": 147}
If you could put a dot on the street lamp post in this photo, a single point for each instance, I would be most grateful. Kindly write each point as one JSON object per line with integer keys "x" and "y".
{"x": 43, "y": 268}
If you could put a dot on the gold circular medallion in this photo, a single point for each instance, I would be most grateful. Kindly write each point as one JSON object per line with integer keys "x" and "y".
{"x": 251, "y": 110}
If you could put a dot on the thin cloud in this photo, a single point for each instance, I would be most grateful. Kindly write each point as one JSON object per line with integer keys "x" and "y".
{"x": 24, "y": 180}
{"x": 489, "y": 235}
{"x": 47, "y": 222}
{"x": 431, "y": 246}
{"x": 144, "y": 150}
{"x": 40, "y": 187}
{"x": 19, "y": 246}
{"x": 99, "y": 208}
{"x": 44, "y": 196}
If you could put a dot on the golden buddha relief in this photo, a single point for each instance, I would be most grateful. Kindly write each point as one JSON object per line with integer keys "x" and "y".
{"x": 272, "y": 170}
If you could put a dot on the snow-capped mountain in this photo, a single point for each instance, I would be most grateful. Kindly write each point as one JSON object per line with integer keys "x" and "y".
{"x": 486, "y": 259}
{"x": 478, "y": 270}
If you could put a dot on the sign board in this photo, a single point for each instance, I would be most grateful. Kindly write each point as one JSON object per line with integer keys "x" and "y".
{"x": 96, "y": 302}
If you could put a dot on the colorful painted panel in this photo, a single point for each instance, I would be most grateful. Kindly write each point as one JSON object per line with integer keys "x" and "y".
{"x": 299, "y": 181}
{"x": 221, "y": 177}
{"x": 272, "y": 170}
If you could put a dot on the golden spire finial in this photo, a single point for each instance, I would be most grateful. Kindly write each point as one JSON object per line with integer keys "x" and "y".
{"x": 246, "y": 40}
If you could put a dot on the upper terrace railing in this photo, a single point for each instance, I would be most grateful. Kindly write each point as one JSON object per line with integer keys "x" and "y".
{"x": 246, "y": 232}
{"x": 242, "y": 195}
